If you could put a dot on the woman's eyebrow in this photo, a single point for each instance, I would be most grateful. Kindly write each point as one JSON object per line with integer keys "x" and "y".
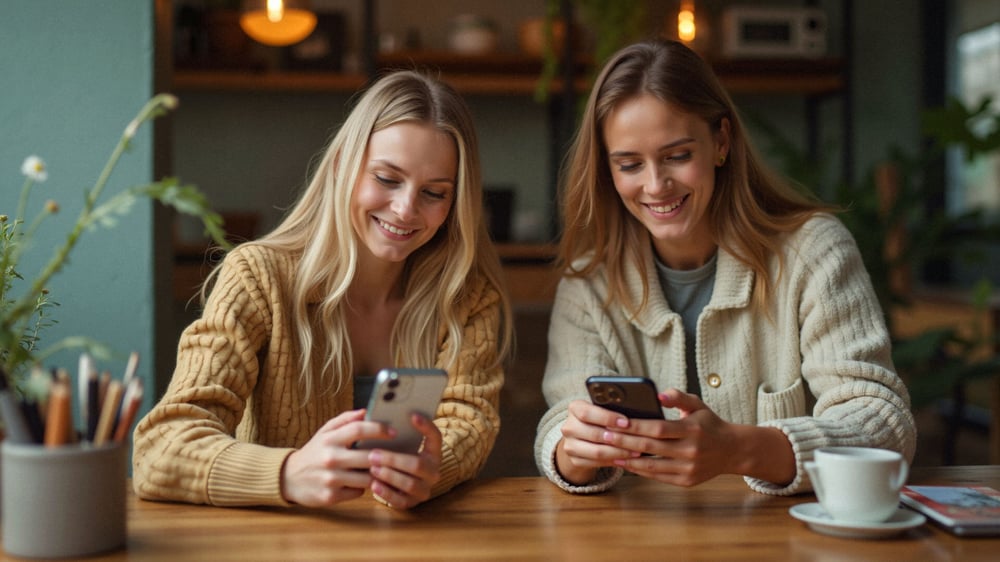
{"x": 667, "y": 146}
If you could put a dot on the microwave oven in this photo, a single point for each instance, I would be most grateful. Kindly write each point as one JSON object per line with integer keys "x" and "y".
{"x": 759, "y": 31}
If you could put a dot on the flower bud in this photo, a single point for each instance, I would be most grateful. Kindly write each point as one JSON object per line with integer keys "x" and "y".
{"x": 51, "y": 207}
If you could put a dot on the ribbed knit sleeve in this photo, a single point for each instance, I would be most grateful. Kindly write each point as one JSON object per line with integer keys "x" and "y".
{"x": 185, "y": 447}
{"x": 846, "y": 356}
{"x": 469, "y": 414}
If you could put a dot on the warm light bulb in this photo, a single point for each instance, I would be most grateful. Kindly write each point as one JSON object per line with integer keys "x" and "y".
{"x": 686, "y": 29}
{"x": 274, "y": 23}
{"x": 275, "y": 9}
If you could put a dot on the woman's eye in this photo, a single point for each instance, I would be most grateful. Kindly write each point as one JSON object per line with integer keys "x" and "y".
{"x": 628, "y": 166}
{"x": 435, "y": 194}
{"x": 385, "y": 180}
{"x": 679, "y": 157}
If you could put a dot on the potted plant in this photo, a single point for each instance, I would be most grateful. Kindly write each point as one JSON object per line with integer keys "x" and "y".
{"x": 26, "y": 306}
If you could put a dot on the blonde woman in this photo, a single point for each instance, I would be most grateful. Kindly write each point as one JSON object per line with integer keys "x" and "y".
{"x": 687, "y": 262}
{"x": 383, "y": 261}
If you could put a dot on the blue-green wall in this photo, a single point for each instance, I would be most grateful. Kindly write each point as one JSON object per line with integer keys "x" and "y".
{"x": 74, "y": 74}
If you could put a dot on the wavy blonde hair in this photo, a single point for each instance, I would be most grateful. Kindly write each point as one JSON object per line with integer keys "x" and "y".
{"x": 437, "y": 276}
{"x": 750, "y": 208}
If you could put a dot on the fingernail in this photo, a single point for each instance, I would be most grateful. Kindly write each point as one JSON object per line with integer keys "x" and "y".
{"x": 607, "y": 436}
{"x": 622, "y": 422}
{"x": 375, "y": 457}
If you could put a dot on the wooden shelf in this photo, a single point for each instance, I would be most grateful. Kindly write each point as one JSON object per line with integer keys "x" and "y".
{"x": 511, "y": 74}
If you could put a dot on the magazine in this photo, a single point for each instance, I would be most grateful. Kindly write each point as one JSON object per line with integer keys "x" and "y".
{"x": 963, "y": 510}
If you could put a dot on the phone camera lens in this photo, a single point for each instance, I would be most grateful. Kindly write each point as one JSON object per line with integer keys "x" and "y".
{"x": 393, "y": 383}
{"x": 388, "y": 396}
{"x": 615, "y": 394}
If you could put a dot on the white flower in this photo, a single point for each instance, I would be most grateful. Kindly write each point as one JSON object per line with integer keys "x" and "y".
{"x": 34, "y": 168}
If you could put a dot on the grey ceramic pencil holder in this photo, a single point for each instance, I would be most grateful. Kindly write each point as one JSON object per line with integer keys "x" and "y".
{"x": 61, "y": 502}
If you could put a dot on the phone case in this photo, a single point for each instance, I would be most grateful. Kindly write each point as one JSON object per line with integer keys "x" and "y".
{"x": 399, "y": 393}
{"x": 634, "y": 397}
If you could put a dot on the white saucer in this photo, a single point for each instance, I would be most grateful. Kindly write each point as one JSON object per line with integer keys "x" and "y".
{"x": 820, "y": 521}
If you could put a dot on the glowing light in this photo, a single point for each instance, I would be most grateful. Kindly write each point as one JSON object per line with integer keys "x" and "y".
{"x": 686, "y": 28}
{"x": 277, "y": 22}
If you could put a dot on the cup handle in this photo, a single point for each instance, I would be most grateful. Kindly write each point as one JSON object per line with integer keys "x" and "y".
{"x": 904, "y": 472}
{"x": 813, "y": 471}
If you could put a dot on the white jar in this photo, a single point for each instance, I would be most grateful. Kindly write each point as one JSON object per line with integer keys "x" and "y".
{"x": 472, "y": 35}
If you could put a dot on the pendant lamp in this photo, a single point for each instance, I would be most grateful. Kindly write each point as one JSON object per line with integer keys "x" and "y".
{"x": 277, "y": 22}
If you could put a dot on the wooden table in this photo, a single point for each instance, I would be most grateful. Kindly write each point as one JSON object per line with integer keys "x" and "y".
{"x": 530, "y": 519}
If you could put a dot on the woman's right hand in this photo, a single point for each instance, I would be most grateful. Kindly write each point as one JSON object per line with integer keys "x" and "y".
{"x": 326, "y": 470}
{"x": 583, "y": 448}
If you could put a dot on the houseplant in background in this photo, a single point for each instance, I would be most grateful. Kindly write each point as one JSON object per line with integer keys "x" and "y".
{"x": 611, "y": 25}
{"x": 26, "y": 307}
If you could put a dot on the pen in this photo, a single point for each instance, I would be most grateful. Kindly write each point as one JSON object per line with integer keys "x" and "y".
{"x": 13, "y": 418}
{"x": 83, "y": 382}
{"x": 93, "y": 404}
{"x": 34, "y": 419}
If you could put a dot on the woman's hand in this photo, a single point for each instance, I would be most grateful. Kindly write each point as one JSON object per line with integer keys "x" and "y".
{"x": 404, "y": 480}
{"x": 326, "y": 470}
{"x": 584, "y": 448}
{"x": 700, "y": 445}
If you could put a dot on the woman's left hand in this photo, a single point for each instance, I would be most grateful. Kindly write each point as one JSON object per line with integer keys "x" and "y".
{"x": 405, "y": 480}
{"x": 685, "y": 452}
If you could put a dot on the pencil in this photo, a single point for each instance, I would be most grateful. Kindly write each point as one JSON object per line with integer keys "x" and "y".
{"x": 57, "y": 422}
{"x": 133, "y": 363}
{"x": 105, "y": 426}
{"x": 130, "y": 406}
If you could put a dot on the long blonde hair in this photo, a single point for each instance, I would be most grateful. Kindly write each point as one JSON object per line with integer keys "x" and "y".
{"x": 751, "y": 206}
{"x": 437, "y": 276}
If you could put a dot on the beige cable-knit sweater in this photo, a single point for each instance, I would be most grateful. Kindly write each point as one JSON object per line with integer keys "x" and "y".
{"x": 825, "y": 334}
{"x": 234, "y": 409}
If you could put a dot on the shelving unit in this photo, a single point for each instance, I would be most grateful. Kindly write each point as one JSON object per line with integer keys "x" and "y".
{"x": 512, "y": 74}
{"x": 516, "y": 74}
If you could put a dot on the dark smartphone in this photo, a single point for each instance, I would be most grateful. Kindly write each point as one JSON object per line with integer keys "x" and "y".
{"x": 399, "y": 393}
{"x": 634, "y": 397}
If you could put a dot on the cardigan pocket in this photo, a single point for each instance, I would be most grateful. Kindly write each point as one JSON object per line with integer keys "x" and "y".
{"x": 785, "y": 403}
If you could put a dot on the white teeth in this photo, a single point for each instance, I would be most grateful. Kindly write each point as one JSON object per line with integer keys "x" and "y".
{"x": 393, "y": 229}
{"x": 666, "y": 208}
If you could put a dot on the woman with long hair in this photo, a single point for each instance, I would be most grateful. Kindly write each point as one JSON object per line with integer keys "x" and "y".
{"x": 687, "y": 262}
{"x": 384, "y": 261}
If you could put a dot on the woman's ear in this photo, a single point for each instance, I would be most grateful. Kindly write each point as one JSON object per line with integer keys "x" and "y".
{"x": 722, "y": 140}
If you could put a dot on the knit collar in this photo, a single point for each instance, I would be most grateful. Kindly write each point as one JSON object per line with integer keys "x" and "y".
{"x": 732, "y": 289}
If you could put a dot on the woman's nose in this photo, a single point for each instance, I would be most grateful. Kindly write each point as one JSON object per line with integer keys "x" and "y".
{"x": 404, "y": 203}
{"x": 656, "y": 180}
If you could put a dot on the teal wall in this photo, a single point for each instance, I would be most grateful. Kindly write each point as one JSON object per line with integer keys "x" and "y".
{"x": 74, "y": 74}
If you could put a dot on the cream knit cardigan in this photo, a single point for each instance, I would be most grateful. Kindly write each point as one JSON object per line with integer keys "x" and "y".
{"x": 823, "y": 334}
{"x": 234, "y": 409}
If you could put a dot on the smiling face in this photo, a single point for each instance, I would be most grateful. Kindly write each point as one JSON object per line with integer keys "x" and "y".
{"x": 663, "y": 163}
{"x": 405, "y": 190}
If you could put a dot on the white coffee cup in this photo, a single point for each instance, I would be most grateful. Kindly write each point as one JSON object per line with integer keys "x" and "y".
{"x": 858, "y": 483}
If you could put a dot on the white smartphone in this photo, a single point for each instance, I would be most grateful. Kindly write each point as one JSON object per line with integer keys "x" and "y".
{"x": 397, "y": 395}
